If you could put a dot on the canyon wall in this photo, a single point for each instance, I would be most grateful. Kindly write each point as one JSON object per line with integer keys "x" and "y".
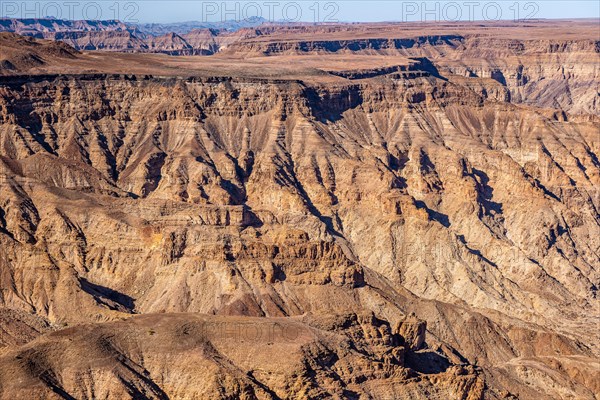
{"x": 387, "y": 234}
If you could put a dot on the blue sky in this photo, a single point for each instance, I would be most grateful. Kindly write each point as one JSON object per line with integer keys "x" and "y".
{"x": 298, "y": 10}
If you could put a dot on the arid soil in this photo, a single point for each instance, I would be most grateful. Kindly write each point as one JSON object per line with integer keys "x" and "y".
{"x": 379, "y": 211}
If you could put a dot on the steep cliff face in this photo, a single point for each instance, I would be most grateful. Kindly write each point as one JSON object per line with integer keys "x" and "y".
{"x": 101, "y": 40}
{"x": 537, "y": 65}
{"x": 550, "y": 73}
{"x": 242, "y": 197}
{"x": 560, "y": 74}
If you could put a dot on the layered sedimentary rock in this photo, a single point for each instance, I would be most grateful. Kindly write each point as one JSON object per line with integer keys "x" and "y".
{"x": 37, "y": 26}
{"x": 425, "y": 235}
{"x": 536, "y": 65}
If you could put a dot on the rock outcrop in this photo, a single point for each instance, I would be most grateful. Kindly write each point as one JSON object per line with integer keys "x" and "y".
{"x": 181, "y": 356}
{"x": 19, "y": 53}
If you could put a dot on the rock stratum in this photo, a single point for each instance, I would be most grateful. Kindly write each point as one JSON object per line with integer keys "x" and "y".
{"x": 352, "y": 217}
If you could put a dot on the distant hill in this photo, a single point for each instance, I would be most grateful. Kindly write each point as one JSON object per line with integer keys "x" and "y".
{"x": 37, "y": 26}
{"x": 20, "y": 53}
{"x": 187, "y": 27}
{"x": 33, "y": 27}
{"x": 186, "y": 38}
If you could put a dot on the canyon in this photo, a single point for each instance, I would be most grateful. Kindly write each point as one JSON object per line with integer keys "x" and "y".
{"x": 380, "y": 211}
